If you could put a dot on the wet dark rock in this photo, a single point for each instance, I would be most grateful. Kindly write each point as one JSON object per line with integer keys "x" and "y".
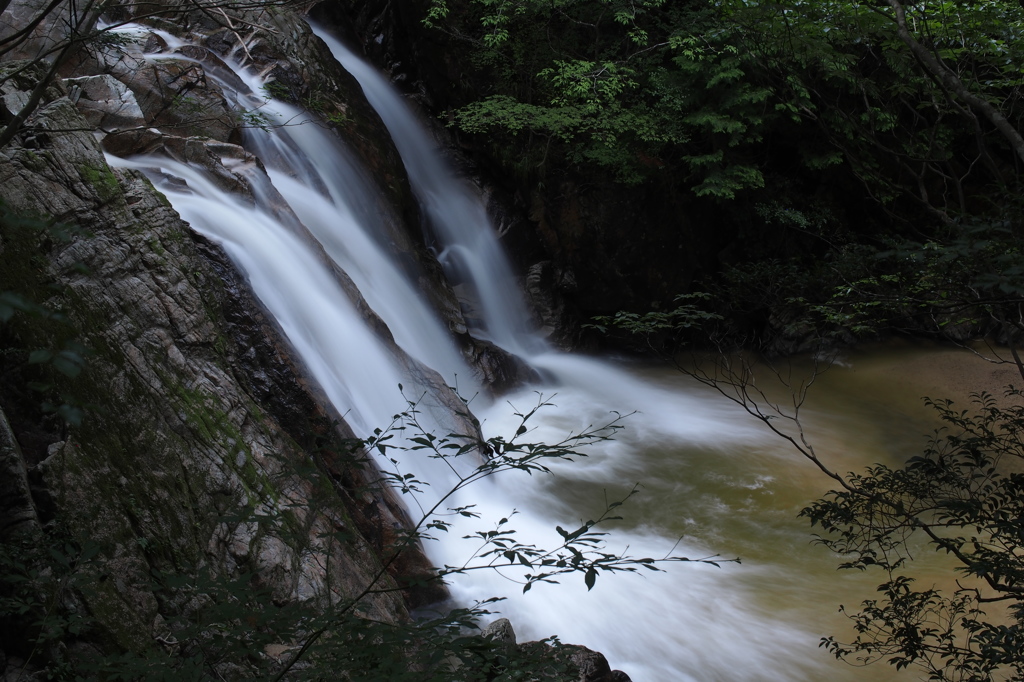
{"x": 17, "y": 511}
{"x": 176, "y": 96}
{"x": 130, "y": 142}
{"x": 592, "y": 665}
{"x": 18, "y": 13}
{"x": 548, "y": 286}
{"x": 498, "y": 370}
{"x": 500, "y": 631}
{"x": 16, "y": 80}
{"x": 231, "y": 167}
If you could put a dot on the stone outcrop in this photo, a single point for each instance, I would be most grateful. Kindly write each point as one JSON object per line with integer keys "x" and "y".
{"x": 17, "y": 511}
{"x": 201, "y": 436}
{"x": 105, "y": 102}
{"x": 591, "y": 665}
{"x": 548, "y": 287}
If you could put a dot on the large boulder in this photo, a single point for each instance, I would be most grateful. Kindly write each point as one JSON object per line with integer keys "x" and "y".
{"x": 105, "y": 102}
{"x": 590, "y": 665}
{"x": 176, "y": 96}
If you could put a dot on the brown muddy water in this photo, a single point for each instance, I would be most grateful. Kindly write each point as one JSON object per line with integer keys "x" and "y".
{"x": 721, "y": 484}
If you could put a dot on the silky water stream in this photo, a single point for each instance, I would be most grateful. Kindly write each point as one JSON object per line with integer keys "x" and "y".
{"x": 709, "y": 474}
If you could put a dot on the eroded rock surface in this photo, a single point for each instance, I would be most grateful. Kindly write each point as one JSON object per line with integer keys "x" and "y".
{"x": 197, "y": 424}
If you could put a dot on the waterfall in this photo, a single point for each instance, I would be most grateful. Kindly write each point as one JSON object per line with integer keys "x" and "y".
{"x": 309, "y": 241}
{"x": 469, "y": 249}
{"x": 310, "y": 216}
{"x": 690, "y": 624}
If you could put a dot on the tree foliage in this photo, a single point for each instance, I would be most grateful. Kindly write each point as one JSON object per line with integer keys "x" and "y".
{"x": 963, "y": 497}
{"x": 616, "y": 84}
{"x": 920, "y": 102}
{"x": 965, "y": 286}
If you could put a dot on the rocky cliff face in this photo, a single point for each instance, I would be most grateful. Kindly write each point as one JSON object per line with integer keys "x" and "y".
{"x": 200, "y": 439}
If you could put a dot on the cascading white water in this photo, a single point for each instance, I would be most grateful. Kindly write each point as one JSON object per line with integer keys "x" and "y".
{"x": 470, "y": 251}
{"x": 287, "y": 276}
{"x": 694, "y": 622}
{"x": 324, "y": 187}
{"x": 300, "y": 158}
{"x": 284, "y": 240}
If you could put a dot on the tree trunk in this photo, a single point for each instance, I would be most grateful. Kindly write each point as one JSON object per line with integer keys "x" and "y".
{"x": 950, "y": 80}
